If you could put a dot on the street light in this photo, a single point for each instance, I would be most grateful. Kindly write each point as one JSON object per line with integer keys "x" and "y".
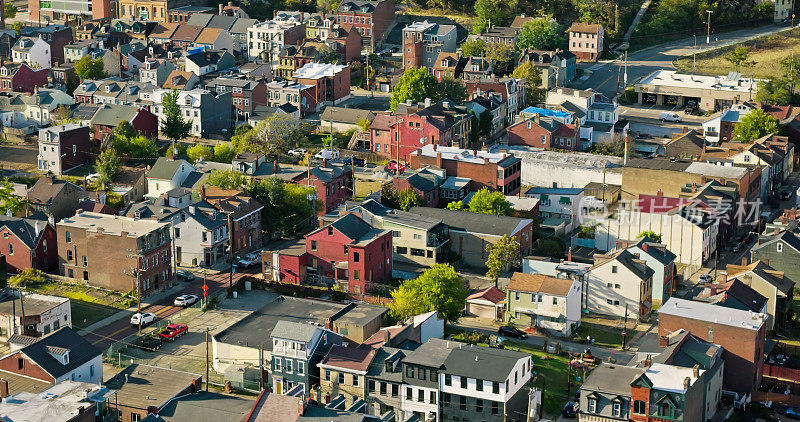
{"x": 708, "y": 22}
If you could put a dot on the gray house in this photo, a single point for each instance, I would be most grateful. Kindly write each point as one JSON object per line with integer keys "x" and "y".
{"x": 662, "y": 261}
{"x": 606, "y": 393}
{"x": 782, "y": 251}
{"x": 155, "y": 71}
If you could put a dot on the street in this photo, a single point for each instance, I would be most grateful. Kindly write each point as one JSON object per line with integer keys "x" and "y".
{"x": 604, "y": 75}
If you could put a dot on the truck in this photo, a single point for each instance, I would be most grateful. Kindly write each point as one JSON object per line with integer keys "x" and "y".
{"x": 173, "y": 331}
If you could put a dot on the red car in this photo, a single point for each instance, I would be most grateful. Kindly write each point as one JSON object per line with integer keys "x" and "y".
{"x": 173, "y": 331}
{"x": 394, "y": 166}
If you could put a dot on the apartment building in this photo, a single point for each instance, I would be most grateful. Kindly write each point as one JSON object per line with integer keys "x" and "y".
{"x": 586, "y": 40}
{"x": 209, "y": 112}
{"x": 331, "y": 82}
{"x": 63, "y": 147}
{"x": 424, "y": 41}
{"x": 266, "y": 39}
{"x": 372, "y": 19}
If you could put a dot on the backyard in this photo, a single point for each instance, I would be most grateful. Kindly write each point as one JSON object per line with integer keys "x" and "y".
{"x": 88, "y": 305}
{"x": 766, "y": 52}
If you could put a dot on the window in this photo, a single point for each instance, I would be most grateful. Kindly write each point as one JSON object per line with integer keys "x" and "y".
{"x": 432, "y": 397}
{"x": 410, "y": 371}
{"x": 779, "y": 245}
{"x": 340, "y": 378}
{"x": 613, "y": 269}
{"x": 495, "y": 388}
{"x": 639, "y": 407}
{"x": 85, "y": 262}
{"x": 463, "y": 382}
{"x": 592, "y": 405}
{"x": 327, "y": 375}
{"x": 301, "y": 367}
{"x": 355, "y": 380}
{"x": 313, "y": 245}
{"x": 68, "y": 235}
{"x": 448, "y": 379}
{"x": 356, "y": 256}
{"x": 20, "y": 363}
{"x": 69, "y": 255}
{"x": 445, "y": 399}
{"x": 421, "y": 396}
{"x": 409, "y": 393}
{"x": 330, "y": 231}
{"x": 401, "y": 250}
{"x": 665, "y": 409}
{"x": 616, "y": 408}
{"x": 479, "y": 405}
{"x": 462, "y": 403}
{"x": 495, "y": 407}
{"x": 479, "y": 385}
{"x": 288, "y": 367}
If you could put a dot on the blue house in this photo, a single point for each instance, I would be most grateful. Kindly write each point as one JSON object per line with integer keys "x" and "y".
{"x": 297, "y": 348}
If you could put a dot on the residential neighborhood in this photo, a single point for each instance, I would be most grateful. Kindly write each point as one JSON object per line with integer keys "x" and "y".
{"x": 383, "y": 211}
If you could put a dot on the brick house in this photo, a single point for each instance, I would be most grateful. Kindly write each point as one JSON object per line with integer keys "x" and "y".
{"x": 372, "y": 19}
{"x": 244, "y": 215}
{"x": 495, "y": 171}
{"x": 28, "y": 243}
{"x": 142, "y": 390}
{"x": 63, "y": 147}
{"x": 741, "y": 333}
{"x": 301, "y": 96}
{"x": 344, "y": 371}
{"x": 333, "y": 185}
{"x": 346, "y": 40}
{"x": 586, "y": 40}
{"x": 53, "y": 197}
{"x": 424, "y": 41}
{"x": 107, "y": 117}
{"x": 246, "y": 95}
{"x": 545, "y": 132}
{"x": 448, "y": 65}
{"x": 19, "y": 77}
{"x": 443, "y": 123}
{"x": 512, "y": 90}
{"x": 113, "y": 252}
{"x": 424, "y": 182}
{"x": 331, "y": 82}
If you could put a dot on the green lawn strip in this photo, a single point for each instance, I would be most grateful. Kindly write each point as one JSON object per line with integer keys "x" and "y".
{"x": 86, "y": 308}
{"x": 87, "y": 313}
{"x": 603, "y": 336}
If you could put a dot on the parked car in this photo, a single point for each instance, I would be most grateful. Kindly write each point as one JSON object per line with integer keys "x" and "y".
{"x": 394, "y": 166}
{"x": 143, "y": 318}
{"x": 691, "y": 108}
{"x": 186, "y": 300}
{"x": 249, "y": 260}
{"x": 328, "y": 154}
{"x": 353, "y": 161}
{"x": 570, "y": 410}
{"x": 173, "y": 331}
{"x": 297, "y": 152}
{"x": 668, "y": 116}
{"x": 184, "y": 275}
{"x": 792, "y": 412}
{"x": 148, "y": 343}
{"x": 738, "y": 247}
{"x": 706, "y": 278}
{"x": 511, "y": 332}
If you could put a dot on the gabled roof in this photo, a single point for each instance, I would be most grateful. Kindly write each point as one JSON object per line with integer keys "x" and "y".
{"x": 656, "y": 250}
{"x": 112, "y": 114}
{"x": 24, "y": 229}
{"x": 786, "y": 236}
{"x": 208, "y": 35}
{"x": 492, "y": 294}
{"x": 292, "y": 330}
{"x": 352, "y": 226}
{"x": 624, "y": 257}
{"x": 80, "y": 352}
{"x": 206, "y": 58}
{"x": 352, "y": 358}
{"x": 186, "y": 32}
{"x": 540, "y": 283}
{"x": 760, "y": 268}
{"x": 164, "y": 30}
{"x": 742, "y": 296}
{"x": 165, "y": 168}
{"x": 47, "y": 188}
{"x": 585, "y": 27}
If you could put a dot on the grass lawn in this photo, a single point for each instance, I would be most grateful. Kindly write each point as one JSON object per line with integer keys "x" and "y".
{"x": 766, "y": 51}
{"x": 88, "y": 305}
{"x": 603, "y": 335}
{"x": 793, "y": 327}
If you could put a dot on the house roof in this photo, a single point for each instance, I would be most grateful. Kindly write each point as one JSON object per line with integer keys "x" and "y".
{"x": 206, "y": 406}
{"x": 47, "y": 188}
{"x": 186, "y": 32}
{"x": 786, "y": 236}
{"x": 540, "y": 283}
{"x": 233, "y": 202}
{"x": 520, "y": 20}
{"x": 346, "y": 115}
{"x": 205, "y": 57}
{"x": 80, "y": 352}
{"x": 711, "y": 313}
{"x": 112, "y": 114}
{"x": 34, "y": 303}
{"x": 612, "y": 378}
{"x": 352, "y": 226}
{"x": 742, "y": 296}
{"x": 20, "y": 383}
{"x": 292, "y": 330}
{"x": 112, "y": 225}
{"x": 492, "y": 294}
{"x": 208, "y": 35}
{"x": 177, "y": 79}
{"x": 765, "y": 272}
{"x": 483, "y": 363}
{"x": 165, "y": 168}
{"x": 656, "y": 250}
{"x": 24, "y": 228}
{"x": 163, "y": 30}
{"x": 352, "y": 358}
{"x": 475, "y": 222}
{"x": 624, "y": 257}
{"x": 585, "y": 27}
{"x": 142, "y": 386}
{"x": 148, "y": 210}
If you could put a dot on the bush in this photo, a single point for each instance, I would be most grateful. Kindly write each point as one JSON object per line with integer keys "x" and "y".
{"x": 27, "y": 277}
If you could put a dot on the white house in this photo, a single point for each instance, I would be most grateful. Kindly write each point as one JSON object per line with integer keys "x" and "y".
{"x": 43, "y": 101}
{"x": 720, "y": 127}
{"x": 618, "y": 284}
{"x": 33, "y": 51}
{"x": 544, "y": 301}
{"x": 602, "y": 114}
{"x": 166, "y": 174}
{"x": 558, "y": 204}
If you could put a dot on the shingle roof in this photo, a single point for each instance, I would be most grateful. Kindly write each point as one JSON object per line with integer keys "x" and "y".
{"x": 483, "y": 363}
{"x": 474, "y": 222}
{"x": 540, "y": 283}
{"x": 208, "y": 35}
{"x": 295, "y": 331}
{"x": 47, "y": 188}
{"x": 352, "y": 226}
{"x": 353, "y": 358}
{"x": 80, "y": 352}
{"x": 492, "y": 294}
{"x": 747, "y": 298}
{"x": 585, "y": 27}
{"x": 165, "y": 168}
{"x": 186, "y": 33}
{"x": 112, "y": 114}
{"x": 609, "y": 378}
{"x": 24, "y": 228}
{"x": 163, "y": 30}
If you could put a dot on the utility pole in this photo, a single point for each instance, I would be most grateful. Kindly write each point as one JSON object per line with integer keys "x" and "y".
{"x": 206, "y": 358}
{"x": 625, "y": 327}
{"x": 694, "y": 54}
{"x": 230, "y": 250}
{"x": 708, "y": 22}
{"x": 625, "y": 75}
{"x": 261, "y": 367}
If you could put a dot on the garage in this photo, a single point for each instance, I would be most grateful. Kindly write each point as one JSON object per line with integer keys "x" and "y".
{"x": 649, "y": 98}
{"x": 488, "y": 303}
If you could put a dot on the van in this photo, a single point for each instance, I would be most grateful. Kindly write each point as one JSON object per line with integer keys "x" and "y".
{"x": 668, "y": 116}
{"x": 330, "y": 154}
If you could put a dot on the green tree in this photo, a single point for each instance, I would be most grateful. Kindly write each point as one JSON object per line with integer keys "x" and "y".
{"x": 327, "y": 6}
{"x": 481, "y": 125}
{"x": 774, "y": 91}
{"x": 534, "y": 94}
{"x": 451, "y": 89}
{"x": 494, "y": 12}
{"x": 17, "y": 27}
{"x": 490, "y": 202}
{"x": 27, "y": 277}
{"x": 223, "y": 152}
{"x": 416, "y": 85}
{"x": 226, "y": 179}
{"x": 655, "y": 237}
{"x": 541, "y": 34}
{"x": 364, "y": 124}
{"x": 501, "y": 57}
{"x": 474, "y": 47}
{"x": 457, "y": 206}
{"x": 199, "y": 152}
{"x": 124, "y": 130}
{"x": 88, "y": 68}
{"x": 107, "y": 166}
{"x": 272, "y": 136}
{"x": 501, "y": 255}
{"x": 9, "y": 201}
{"x": 10, "y": 10}
{"x": 271, "y": 194}
{"x": 389, "y": 196}
{"x": 738, "y": 56}
{"x": 438, "y": 289}
{"x": 409, "y": 199}
{"x": 754, "y": 125}
{"x": 329, "y": 55}
{"x": 791, "y": 71}
{"x": 173, "y": 127}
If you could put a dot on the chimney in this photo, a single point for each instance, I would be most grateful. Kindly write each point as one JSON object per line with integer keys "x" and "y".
{"x": 636, "y": 255}
{"x": 324, "y": 162}
{"x": 744, "y": 260}
{"x": 427, "y": 102}
{"x": 569, "y": 254}
{"x": 329, "y": 324}
{"x": 647, "y": 362}
{"x": 644, "y": 246}
{"x": 3, "y": 388}
{"x": 696, "y": 371}
{"x": 203, "y": 192}
{"x": 385, "y": 336}
{"x": 686, "y": 382}
{"x": 685, "y": 129}
{"x": 663, "y": 341}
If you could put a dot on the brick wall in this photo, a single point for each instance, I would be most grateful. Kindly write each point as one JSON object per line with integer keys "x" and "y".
{"x": 18, "y": 363}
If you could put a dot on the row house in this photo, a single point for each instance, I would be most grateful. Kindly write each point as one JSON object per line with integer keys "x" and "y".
{"x": 538, "y": 300}
{"x": 54, "y": 34}
{"x": 602, "y": 114}
{"x": 54, "y": 197}
{"x": 208, "y": 61}
{"x": 237, "y": 26}
{"x": 297, "y": 352}
{"x": 19, "y": 77}
{"x": 331, "y": 82}
{"x": 424, "y": 41}
{"x": 185, "y": 36}
{"x": 332, "y": 183}
{"x": 63, "y": 77}
{"x": 301, "y": 96}
{"x": 113, "y": 252}
{"x": 243, "y": 213}
{"x": 449, "y": 65}
{"x": 346, "y": 41}
{"x": 43, "y": 101}
{"x": 209, "y": 112}
{"x": 293, "y": 57}
{"x": 477, "y": 68}
{"x": 63, "y": 147}
{"x": 266, "y": 39}
{"x": 155, "y": 71}
{"x": 44, "y": 314}
{"x": 167, "y": 173}
{"x": 558, "y": 205}
{"x": 181, "y": 14}
{"x": 492, "y": 103}
{"x": 245, "y": 94}
{"x": 162, "y": 33}
{"x": 511, "y": 90}
{"x": 318, "y": 26}
{"x": 28, "y": 243}
{"x": 76, "y": 50}
{"x": 372, "y": 19}
{"x": 500, "y": 35}
{"x": 181, "y": 80}
{"x": 35, "y": 52}
{"x": 442, "y": 124}
{"x": 586, "y": 40}
{"x": 214, "y": 39}
{"x": 556, "y": 67}
{"x": 424, "y": 182}
{"x": 618, "y": 284}
{"x": 108, "y": 116}
{"x": 545, "y": 132}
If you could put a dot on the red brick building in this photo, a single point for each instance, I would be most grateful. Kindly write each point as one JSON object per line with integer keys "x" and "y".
{"x": 28, "y": 243}
{"x": 348, "y": 42}
{"x": 244, "y": 216}
{"x": 443, "y": 123}
{"x": 334, "y": 185}
{"x": 18, "y": 77}
{"x": 114, "y": 252}
{"x": 495, "y": 171}
{"x": 371, "y": 19}
{"x": 331, "y": 82}
{"x": 545, "y": 132}
{"x": 741, "y": 333}
{"x": 108, "y": 116}
{"x": 425, "y": 183}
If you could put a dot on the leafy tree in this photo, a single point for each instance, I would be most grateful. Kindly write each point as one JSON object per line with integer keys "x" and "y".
{"x": 17, "y": 27}
{"x": 409, "y": 199}
{"x": 416, "y": 85}
{"x": 9, "y": 200}
{"x": 614, "y": 145}
{"x": 481, "y": 125}
{"x": 438, "y": 289}
{"x": 389, "y": 196}
{"x": 490, "y": 202}
{"x": 173, "y": 127}
{"x": 774, "y": 91}
{"x": 364, "y": 124}
{"x": 474, "y": 47}
{"x": 226, "y": 179}
{"x": 533, "y": 82}
{"x": 286, "y": 205}
{"x": 60, "y": 115}
{"x": 199, "y": 152}
{"x": 273, "y": 136}
{"x": 107, "y": 166}
{"x": 27, "y": 277}
{"x": 553, "y": 247}
{"x": 223, "y": 153}
{"x": 738, "y": 56}
{"x": 327, "y": 6}
{"x": 451, "y": 89}
{"x": 755, "y": 125}
{"x": 493, "y": 12}
{"x": 457, "y": 206}
{"x": 541, "y": 34}
{"x": 501, "y": 57}
{"x": 655, "y": 237}
{"x": 10, "y": 10}
{"x": 501, "y": 255}
{"x": 791, "y": 71}
{"x": 138, "y": 148}
{"x": 329, "y": 55}
{"x": 88, "y": 68}
{"x": 124, "y": 130}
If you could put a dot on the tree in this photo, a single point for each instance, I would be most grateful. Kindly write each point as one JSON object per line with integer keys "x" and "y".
{"x": 438, "y": 289}
{"x": 272, "y": 136}
{"x": 655, "y": 237}
{"x": 416, "y": 85}
{"x": 490, "y": 202}
{"x": 27, "y": 277}
{"x": 774, "y": 91}
{"x": 493, "y": 12}
{"x": 17, "y": 27}
{"x": 223, "y": 153}
{"x": 199, "y": 152}
{"x": 329, "y": 55}
{"x": 533, "y": 82}
{"x": 10, "y": 10}
{"x": 457, "y": 206}
{"x": 364, "y": 124}
{"x": 451, "y": 89}
{"x": 107, "y": 166}
{"x": 481, "y": 125}
{"x": 738, "y": 56}
{"x": 226, "y": 179}
{"x": 409, "y": 199}
{"x": 501, "y": 254}
{"x": 501, "y": 57}
{"x": 541, "y": 34}
{"x": 88, "y": 68}
{"x": 389, "y": 196}
{"x": 474, "y": 47}
{"x": 754, "y": 125}
{"x": 9, "y": 201}
{"x": 174, "y": 127}
{"x": 791, "y": 71}
{"x": 325, "y": 6}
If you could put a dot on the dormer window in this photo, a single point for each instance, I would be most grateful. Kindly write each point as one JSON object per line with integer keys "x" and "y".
{"x": 4, "y": 71}
{"x": 188, "y": 101}
{"x": 108, "y": 88}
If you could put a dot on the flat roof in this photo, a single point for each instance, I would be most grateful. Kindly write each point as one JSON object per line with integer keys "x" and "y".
{"x": 142, "y": 386}
{"x": 711, "y": 313}
{"x": 35, "y": 304}
{"x": 318, "y": 70}
{"x": 62, "y": 401}
{"x": 670, "y": 377}
{"x": 111, "y": 224}
{"x": 713, "y": 170}
{"x": 671, "y": 78}
{"x": 463, "y": 155}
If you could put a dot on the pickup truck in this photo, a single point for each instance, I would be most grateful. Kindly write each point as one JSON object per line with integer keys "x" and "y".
{"x": 173, "y": 331}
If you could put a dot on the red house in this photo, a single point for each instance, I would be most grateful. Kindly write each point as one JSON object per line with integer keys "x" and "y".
{"x": 371, "y": 19}
{"x": 545, "y": 132}
{"x": 331, "y": 82}
{"x": 107, "y": 117}
{"x": 28, "y": 243}
{"x": 18, "y": 77}
{"x": 334, "y": 185}
{"x": 347, "y": 40}
{"x": 443, "y": 123}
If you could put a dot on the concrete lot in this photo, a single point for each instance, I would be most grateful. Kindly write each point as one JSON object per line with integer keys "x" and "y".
{"x": 20, "y": 157}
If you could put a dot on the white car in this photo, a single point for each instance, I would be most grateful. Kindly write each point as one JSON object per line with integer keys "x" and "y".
{"x": 248, "y": 260}
{"x": 668, "y": 116}
{"x": 92, "y": 177}
{"x": 297, "y": 152}
{"x": 144, "y": 318}
{"x": 186, "y": 300}
{"x": 328, "y": 154}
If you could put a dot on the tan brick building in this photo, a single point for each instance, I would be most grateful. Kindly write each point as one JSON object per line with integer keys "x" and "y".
{"x": 344, "y": 371}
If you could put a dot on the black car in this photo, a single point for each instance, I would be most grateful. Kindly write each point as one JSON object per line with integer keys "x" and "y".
{"x": 184, "y": 275}
{"x": 570, "y": 410}
{"x": 511, "y": 332}
{"x": 353, "y": 161}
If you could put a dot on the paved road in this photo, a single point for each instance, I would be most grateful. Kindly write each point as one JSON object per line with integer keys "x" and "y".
{"x": 103, "y": 337}
{"x": 643, "y": 62}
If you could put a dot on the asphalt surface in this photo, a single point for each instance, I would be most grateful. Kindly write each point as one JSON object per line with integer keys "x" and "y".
{"x": 641, "y": 63}
{"x": 103, "y": 337}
